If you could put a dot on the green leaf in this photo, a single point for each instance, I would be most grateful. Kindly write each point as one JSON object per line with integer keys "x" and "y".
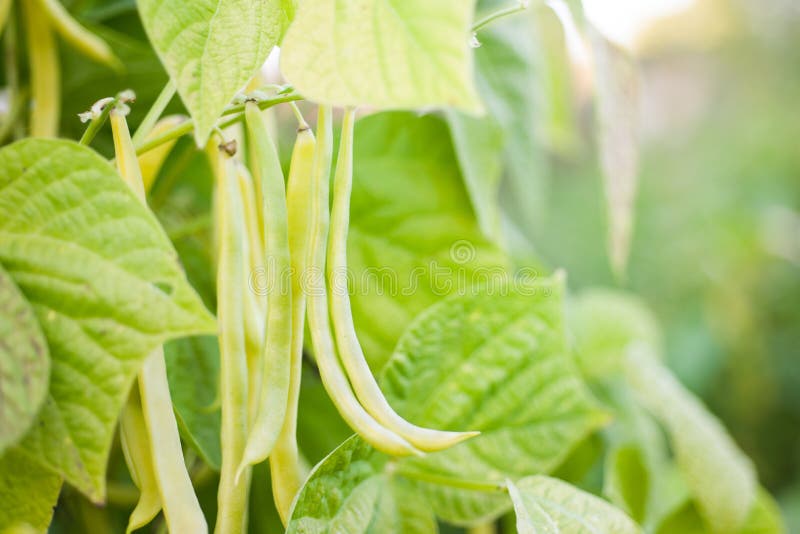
{"x": 211, "y": 48}
{"x": 764, "y": 518}
{"x": 496, "y": 361}
{"x": 478, "y": 143}
{"x": 413, "y": 237}
{"x": 604, "y": 323}
{"x": 382, "y": 53}
{"x": 502, "y": 144}
{"x": 627, "y": 481}
{"x": 24, "y": 363}
{"x": 548, "y": 505}
{"x": 193, "y": 373}
{"x": 718, "y": 474}
{"x": 106, "y": 287}
{"x": 352, "y": 491}
{"x": 28, "y": 492}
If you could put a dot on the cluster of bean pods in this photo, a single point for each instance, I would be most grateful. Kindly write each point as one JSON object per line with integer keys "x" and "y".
{"x": 291, "y": 231}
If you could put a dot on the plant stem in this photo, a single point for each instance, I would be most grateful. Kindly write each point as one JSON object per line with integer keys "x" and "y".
{"x": 521, "y": 5}
{"x": 186, "y": 127}
{"x": 97, "y": 122}
{"x": 471, "y": 485}
{"x": 154, "y": 113}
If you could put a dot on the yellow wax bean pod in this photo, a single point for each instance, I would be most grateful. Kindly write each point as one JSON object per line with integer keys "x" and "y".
{"x": 136, "y": 449}
{"x": 254, "y": 309}
{"x": 45, "y": 72}
{"x": 274, "y": 391}
{"x": 152, "y": 161}
{"x": 76, "y": 35}
{"x": 181, "y": 507}
{"x": 286, "y": 468}
{"x": 350, "y": 352}
{"x": 230, "y": 231}
{"x": 5, "y": 9}
{"x": 333, "y": 376}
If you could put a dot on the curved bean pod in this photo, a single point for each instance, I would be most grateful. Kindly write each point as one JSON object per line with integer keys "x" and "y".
{"x": 350, "y": 352}
{"x": 75, "y": 34}
{"x": 136, "y": 450}
{"x": 45, "y": 72}
{"x": 333, "y": 377}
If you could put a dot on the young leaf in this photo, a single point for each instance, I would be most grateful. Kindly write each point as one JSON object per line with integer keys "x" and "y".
{"x": 24, "y": 363}
{"x": 718, "y": 474}
{"x": 193, "y": 373}
{"x": 413, "y": 237}
{"x": 352, "y": 491}
{"x": 107, "y": 289}
{"x": 604, "y": 323}
{"x": 617, "y": 122}
{"x": 28, "y": 491}
{"x": 496, "y": 361}
{"x": 211, "y": 48}
{"x": 382, "y": 53}
{"x": 547, "y": 505}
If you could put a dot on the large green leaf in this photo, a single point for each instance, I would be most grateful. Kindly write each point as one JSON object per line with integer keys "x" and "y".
{"x": 719, "y": 476}
{"x": 28, "y": 491}
{"x": 496, "y": 361}
{"x": 193, "y": 373}
{"x": 382, "y": 53}
{"x": 24, "y": 363}
{"x": 413, "y": 236}
{"x": 352, "y": 491}
{"x": 211, "y": 48}
{"x": 106, "y": 287}
{"x": 547, "y": 505}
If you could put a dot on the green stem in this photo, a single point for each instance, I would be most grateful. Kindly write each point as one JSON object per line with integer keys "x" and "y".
{"x": 154, "y": 113}
{"x": 97, "y": 122}
{"x": 441, "y": 480}
{"x": 521, "y": 5}
{"x": 187, "y": 127}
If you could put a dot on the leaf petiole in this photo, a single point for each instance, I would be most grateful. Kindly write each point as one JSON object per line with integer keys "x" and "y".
{"x": 187, "y": 126}
{"x": 441, "y": 480}
{"x": 521, "y": 5}
{"x": 154, "y": 113}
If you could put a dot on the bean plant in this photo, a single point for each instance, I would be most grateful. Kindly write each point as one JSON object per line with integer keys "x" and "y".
{"x": 299, "y": 302}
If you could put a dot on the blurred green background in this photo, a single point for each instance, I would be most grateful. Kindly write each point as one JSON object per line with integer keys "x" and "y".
{"x": 716, "y": 246}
